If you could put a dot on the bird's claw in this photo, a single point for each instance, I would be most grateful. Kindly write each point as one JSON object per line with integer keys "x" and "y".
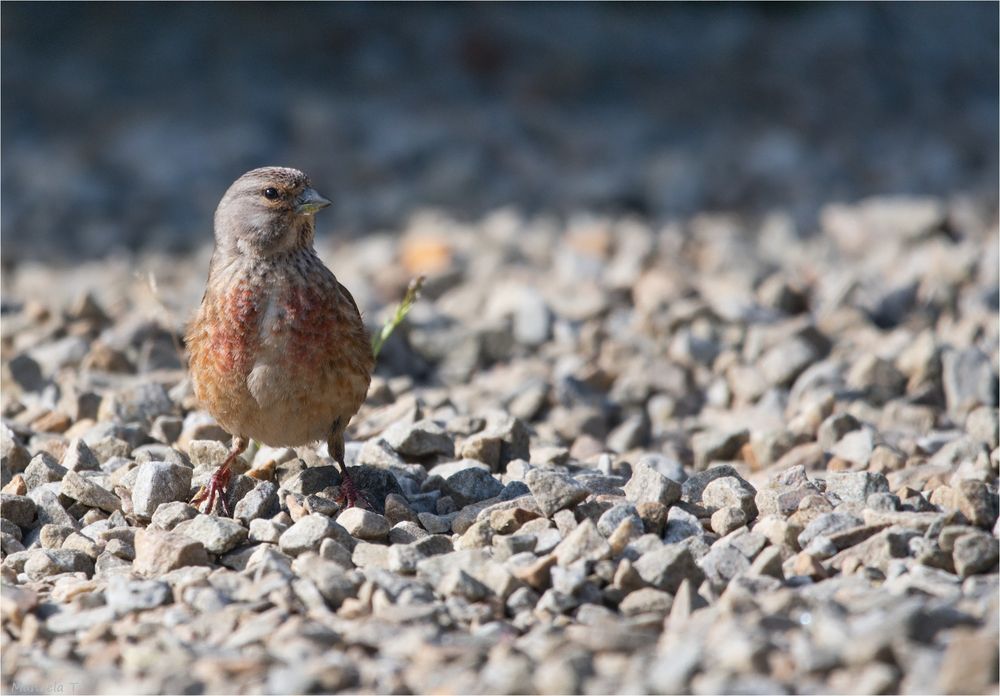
{"x": 350, "y": 496}
{"x": 216, "y": 488}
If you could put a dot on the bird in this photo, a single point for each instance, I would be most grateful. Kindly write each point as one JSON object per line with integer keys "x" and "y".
{"x": 278, "y": 350}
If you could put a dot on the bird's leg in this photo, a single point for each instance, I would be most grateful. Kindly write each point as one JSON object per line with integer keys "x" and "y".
{"x": 350, "y": 494}
{"x": 217, "y": 485}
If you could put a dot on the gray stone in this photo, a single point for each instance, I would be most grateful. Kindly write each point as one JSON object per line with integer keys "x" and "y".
{"x": 308, "y": 532}
{"x": 969, "y": 381}
{"x": 608, "y": 522}
{"x": 471, "y": 486}
{"x": 856, "y": 485}
{"x": 157, "y": 483}
{"x": 983, "y": 424}
{"x": 828, "y": 524}
{"x": 141, "y": 403}
{"x": 583, "y": 542}
{"x": 79, "y": 457}
{"x": 646, "y": 601}
{"x": 681, "y": 524}
{"x": 667, "y": 567}
{"x": 421, "y": 439}
{"x": 124, "y": 595}
{"x": 364, "y": 524}
{"x": 169, "y": 515}
{"x": 331, "y": 579}
{"x": 218, "y": 534}
{"x": 42, "y": 469}
{"x": 975, "y": 553}
{"x": 261, "y": 502}
{"x": 267, "y": 531}
{"x": 158, "y": 552}
{"x": 722, "y": 563}
{"x": 19, "y": 509}
{"x": 647, "y": 484}
{"x": 89, "y": 493}
{"x": 717, "y": 445}
{"x": 48, "y": 509}
{"x": 25, "y": 372}
{"x": 312, "y": 480}
{"x": 730, "y": 491}
{"x": 553, "y": 491}
{"x": 44, "y": 562}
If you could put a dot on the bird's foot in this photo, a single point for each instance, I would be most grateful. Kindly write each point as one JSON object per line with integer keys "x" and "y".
{"x": 350, "y": 495}
{"x": 216, "y": 488}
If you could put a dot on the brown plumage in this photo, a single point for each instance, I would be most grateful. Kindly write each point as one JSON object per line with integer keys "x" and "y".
{"x": 278, "y": 351}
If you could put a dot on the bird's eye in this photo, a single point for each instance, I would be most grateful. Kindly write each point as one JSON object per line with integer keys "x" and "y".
{"x": 270, "y": 193}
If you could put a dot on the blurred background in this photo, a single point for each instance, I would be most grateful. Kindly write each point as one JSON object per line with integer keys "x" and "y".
{"x": 124, "y": 123}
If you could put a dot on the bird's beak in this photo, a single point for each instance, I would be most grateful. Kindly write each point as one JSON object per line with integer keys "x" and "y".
{"x": 309, "y": 202}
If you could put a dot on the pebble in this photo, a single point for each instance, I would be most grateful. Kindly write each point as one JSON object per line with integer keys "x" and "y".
{"x": 157, "y": 483}
{"x": 364, "y": 524}
{"x": 308, "y": 533}
{"x": 554, "y": 491}
{"x": 217, "y": 534}
{"x": 89, "y": 493}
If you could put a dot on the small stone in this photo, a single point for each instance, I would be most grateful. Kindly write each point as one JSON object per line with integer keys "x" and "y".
{"x": 769, "y": 563}
{"x": 436, "y": 524}
{"x": 421, "y": 439}
{"x": 364, "y": 524}
{"x": 856, "y": 485}
{"x": 89, "y": 493}
{"x": 583, "y": 542}
{"x": 169, "y": 515}
{"x": 158, "y": 552}
{"x": 509, "y": 520}
{"x": 308, "y": 533}
{"x": 728, "y": 519}
{"x": 667, "y": 567}
{"x": 983, "y": 424}
{"x": 52, "y": 536}
{"x": 722, "y": 563}
{"x": 79, "y": 457}
{"x": 654, "y": 517}
{"x": 261, "y": 502}
{"x": 157, "y": 483}
{"x": 969, "y": 381}
{"x": 554, "y": 491}
{"x": 44, "y": 562}
{"x": 471, "y": 485}
{"x": 483, "y": 447}
{"x": 333, "y": 582}
{"x": 25, "y": 372}
{"x": 397, "y": 510}
{"x": 613, "y": 517}
{"x": 19, "y": 509}
{"x": 217, "y": 534}
{"x": 712, "y": 446}
{"x": 646, "y": 601}
{"x": 975, "y": 553}
{"x": 648, "y": 485}
{"x": 48, "y": 509}
{"x": 730, "y": 491}
{"x": 805, "y": 565}
{"x": 124, "y": 595}
{"x": 42, "y": 469}
{"x": 406, "y": 532}
{"x": 267, "y": 531}
{"x": 681, "y": 525}
{"x": 459, "y": 583}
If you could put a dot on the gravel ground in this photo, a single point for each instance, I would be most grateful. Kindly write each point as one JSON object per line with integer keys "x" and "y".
{"x": 625, "y": 443}
{"x": 712, "y": 456}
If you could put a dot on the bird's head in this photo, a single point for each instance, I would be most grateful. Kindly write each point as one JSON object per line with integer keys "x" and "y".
{"x": 267, "y": 211}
